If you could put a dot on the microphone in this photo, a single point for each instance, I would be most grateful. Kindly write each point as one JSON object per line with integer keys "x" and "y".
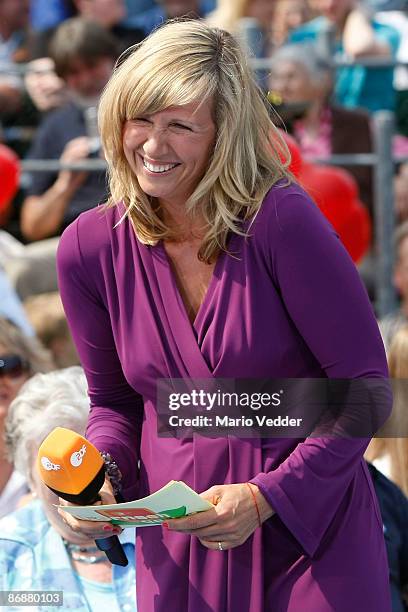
{"x": 73, "y": 469}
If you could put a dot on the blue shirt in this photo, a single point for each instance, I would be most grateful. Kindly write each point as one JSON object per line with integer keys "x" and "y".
{"x": 150, "y": 19}
{"x": 358, "y": 86}
{"x": 33, "y": 557}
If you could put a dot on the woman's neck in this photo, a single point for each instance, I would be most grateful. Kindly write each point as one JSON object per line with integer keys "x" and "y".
{"x": 186, "y": 228}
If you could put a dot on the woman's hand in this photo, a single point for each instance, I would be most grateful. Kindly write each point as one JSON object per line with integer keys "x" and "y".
{"x": 92, "y": 529}
{"x": 233, "y": 519}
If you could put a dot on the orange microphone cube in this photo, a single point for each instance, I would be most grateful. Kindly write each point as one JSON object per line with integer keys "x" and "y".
{"x": 67, "y": 462}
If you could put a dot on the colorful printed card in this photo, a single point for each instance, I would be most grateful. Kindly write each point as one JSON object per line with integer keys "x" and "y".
{"x": 174, "y": 500}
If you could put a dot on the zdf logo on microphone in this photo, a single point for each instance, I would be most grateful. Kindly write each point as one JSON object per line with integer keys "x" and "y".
{"x": 76, "y": 458}
{"x": 48, "y": 465}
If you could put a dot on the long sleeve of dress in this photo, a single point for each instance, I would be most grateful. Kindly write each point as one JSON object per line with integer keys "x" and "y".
{"x": 116, "y": 409}
{"x": 328, "y": 304}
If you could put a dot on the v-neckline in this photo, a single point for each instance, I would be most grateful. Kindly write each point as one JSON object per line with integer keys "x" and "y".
{"x": 208, "y": 292}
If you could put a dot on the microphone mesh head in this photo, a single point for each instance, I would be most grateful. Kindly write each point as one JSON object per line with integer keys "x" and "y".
{"x": 67, "y": 462}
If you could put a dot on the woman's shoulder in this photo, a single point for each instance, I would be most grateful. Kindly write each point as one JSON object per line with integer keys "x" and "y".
{"x": 92, "y": 225}
{"x": 287, "y": 205}
{"x": 288, "y": 218}
{"x": 89, "y": 237}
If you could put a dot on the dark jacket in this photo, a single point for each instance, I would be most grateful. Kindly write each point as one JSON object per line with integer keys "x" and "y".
{"x": 394, "y": 513}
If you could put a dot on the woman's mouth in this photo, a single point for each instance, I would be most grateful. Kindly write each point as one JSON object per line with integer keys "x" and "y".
{"x": 159, "y": 168}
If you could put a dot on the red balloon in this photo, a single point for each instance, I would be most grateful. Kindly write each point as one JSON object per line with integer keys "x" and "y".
{"x": 9, "y": 176}
{"x": 356, "y": 232}
{"x": 336, "y": 193}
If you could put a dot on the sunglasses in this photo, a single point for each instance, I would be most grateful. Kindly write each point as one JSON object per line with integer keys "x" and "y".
{"x": 12, "y": 366}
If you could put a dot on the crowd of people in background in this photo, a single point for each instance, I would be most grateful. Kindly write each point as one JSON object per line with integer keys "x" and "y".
{"x": 55, "y": 60}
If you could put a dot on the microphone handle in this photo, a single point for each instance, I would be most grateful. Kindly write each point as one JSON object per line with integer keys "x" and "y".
{"x": 111, "y": 546}
{"x": 113, "y": 550}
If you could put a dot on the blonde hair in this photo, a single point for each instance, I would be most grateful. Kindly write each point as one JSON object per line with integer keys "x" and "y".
{"x": 180, "y": 63}
{"x": 396, "y": 448}
{"x": 27, "y": 347}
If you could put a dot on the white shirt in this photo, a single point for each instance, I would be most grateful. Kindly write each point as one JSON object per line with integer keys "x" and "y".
{"x": 12, "y": 492}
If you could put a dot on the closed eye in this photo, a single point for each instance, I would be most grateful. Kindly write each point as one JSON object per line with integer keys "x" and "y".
{"x": 181, "y": 126}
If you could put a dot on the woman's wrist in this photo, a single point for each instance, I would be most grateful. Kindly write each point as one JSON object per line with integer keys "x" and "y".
{"x": 265, "y": 510}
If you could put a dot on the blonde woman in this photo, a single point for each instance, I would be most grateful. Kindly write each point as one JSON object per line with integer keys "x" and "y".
{"x": 390, "y": 454}
{"x": 209, "y": 261}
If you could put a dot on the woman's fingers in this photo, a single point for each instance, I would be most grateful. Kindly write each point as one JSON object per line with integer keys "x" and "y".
{"x": 92, "y": 529}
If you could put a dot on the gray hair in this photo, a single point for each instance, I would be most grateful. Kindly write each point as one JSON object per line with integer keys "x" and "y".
{"x": 305, "y": 55}
{"x": 46, "y": 401}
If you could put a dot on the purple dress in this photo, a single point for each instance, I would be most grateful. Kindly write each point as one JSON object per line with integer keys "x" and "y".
{"x": 290, "y": 306}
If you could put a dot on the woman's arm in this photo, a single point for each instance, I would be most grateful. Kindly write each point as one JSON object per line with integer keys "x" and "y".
{"x": 328, "y": 304}
{"x": 115, "y": 419}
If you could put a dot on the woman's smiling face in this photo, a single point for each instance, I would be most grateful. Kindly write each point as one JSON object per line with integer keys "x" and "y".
{"x": 169, "y": 151}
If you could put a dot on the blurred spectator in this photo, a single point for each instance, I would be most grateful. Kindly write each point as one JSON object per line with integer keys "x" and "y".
{"x": 135, "y": 7}
{"x": 399, "y": 20}
{"x": 84, "y": 55}
{"x": 33, "y": 271}
{"x": 301, "y": 81}
{"x": 20, "y": 357}
{"x": 14, "y": 19}
{"x": 289, "y": 15}
{"x": 10, "y": 305}
{"x": 107, "y": 13}
{"x": 250, "y": 20}
{"x": 45, "y": 88}
{"x": 387, "y": 5}
{"x": 389, "y": 454}
{"x": 357, "y": 35}
{"x": 394, "y": 513}
{"x": 47, "y": 316}
{"x": 169, "y": 9}
{"x": 390, "y": 324}
{"x": 38, "y": 551}
{"x": 46, "y": 14}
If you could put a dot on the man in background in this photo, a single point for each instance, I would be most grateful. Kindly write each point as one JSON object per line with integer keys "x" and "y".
{"x": 84, "y": 54}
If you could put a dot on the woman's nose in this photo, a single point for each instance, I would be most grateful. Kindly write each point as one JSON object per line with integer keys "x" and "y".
{"x": 156, "y": 144}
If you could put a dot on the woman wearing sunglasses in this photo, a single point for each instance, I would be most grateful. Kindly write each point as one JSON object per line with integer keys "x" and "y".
{"x": 21, "y": 357}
